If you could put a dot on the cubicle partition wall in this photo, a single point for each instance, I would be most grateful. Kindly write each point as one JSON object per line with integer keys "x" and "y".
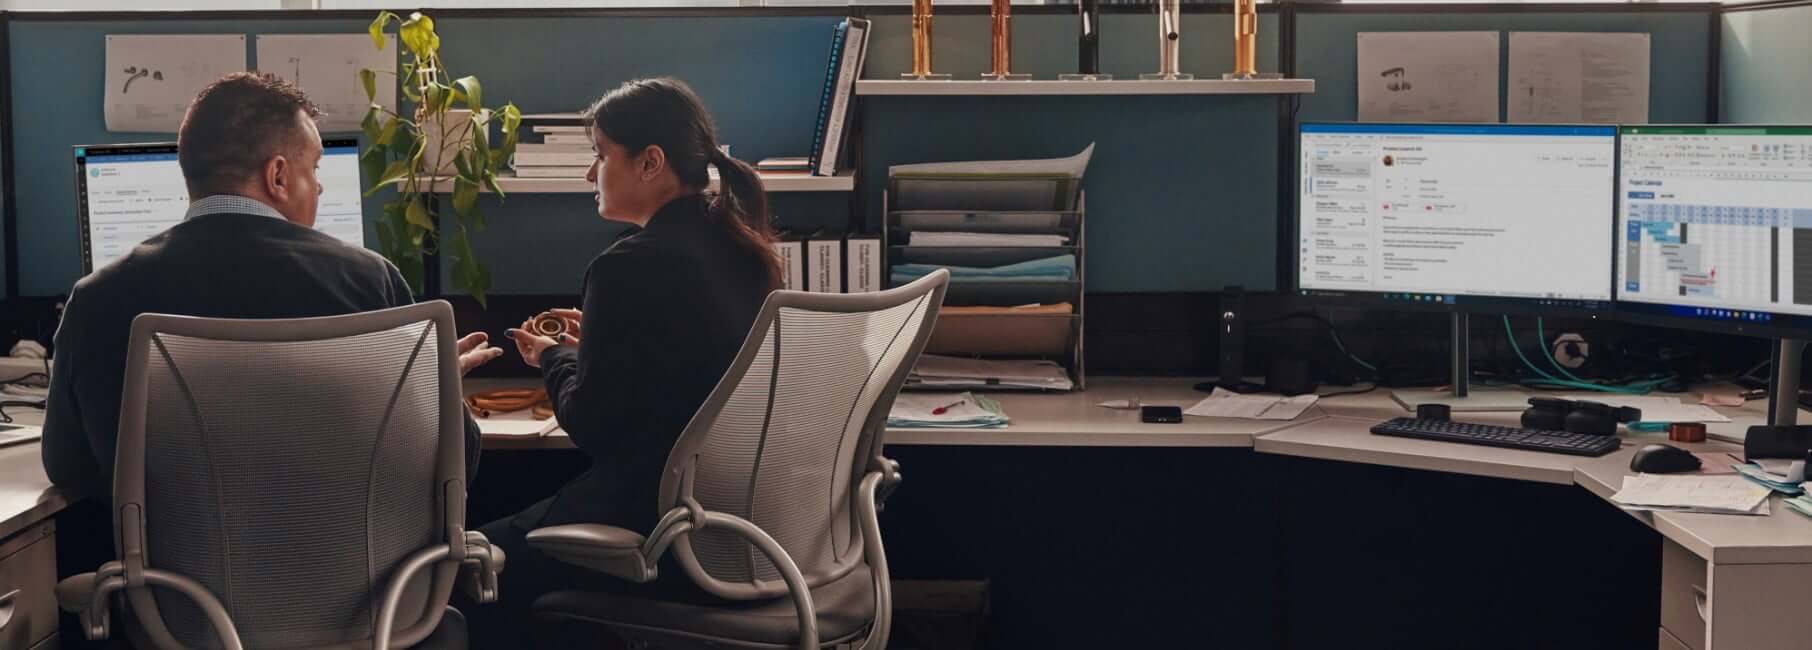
{"x": 1767, "y": 63}
{"x": 1190, "y": 193}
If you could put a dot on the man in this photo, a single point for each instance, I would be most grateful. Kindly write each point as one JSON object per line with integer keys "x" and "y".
{"x": 248, "y": 148}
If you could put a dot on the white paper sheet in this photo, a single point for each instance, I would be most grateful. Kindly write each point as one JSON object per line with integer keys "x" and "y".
{"x": 1696, "y": 493}
{"x": 1223, "y": 403}
{"x": 1428, "y": 76}
{"x": 152, "y": 78}
{"x": 1658, "y": 408}
{"x": 1579, "y": 77}
{"x": 326, "y": 66}
{"x": 516, "y": 425}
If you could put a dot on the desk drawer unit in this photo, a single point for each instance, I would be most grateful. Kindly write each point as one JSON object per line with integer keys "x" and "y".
{"x": 1670, "y": 642}
{"x": 1683, "y": 579}
{"x": 28, "y": 573}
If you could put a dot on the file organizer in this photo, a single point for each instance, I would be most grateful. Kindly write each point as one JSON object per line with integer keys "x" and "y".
{"x": 995, "y": 204}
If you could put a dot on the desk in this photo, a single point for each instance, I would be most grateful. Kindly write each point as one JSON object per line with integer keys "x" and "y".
{"x": 1755, "y": 572}
{"x": 28, "y": 559}
{"x": 1039, "y": 419}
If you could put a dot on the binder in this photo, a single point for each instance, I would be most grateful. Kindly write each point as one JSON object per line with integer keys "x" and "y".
{"x": 831, "y": 135}
{"x": 836, "y": 140}
{"x": 864, "y": 264}
{"x": 827, "y": 95}
{"x": 824, "y": 263}
{"x": 792, "y": 263}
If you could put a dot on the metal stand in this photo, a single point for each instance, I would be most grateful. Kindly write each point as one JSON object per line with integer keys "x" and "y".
{"x": 1462, "y": 357}
{"x": 1461, "y": 397}
{"x": 1783, "y": 387}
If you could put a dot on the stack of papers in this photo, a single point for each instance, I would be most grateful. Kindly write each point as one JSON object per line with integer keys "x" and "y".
{"x": 1778, "y": 474}
{"x": 1224, "y": 403}
{"x": 1057, "y": 268}
{"x": 946, "y": 411}
{"x": 987, "y": 240}
{"x": 989, "y": 185}
{"x": 1725, "y": 494}
{"x": 938, "y": 371}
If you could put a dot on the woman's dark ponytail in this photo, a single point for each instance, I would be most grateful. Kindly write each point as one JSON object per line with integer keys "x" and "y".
{"x": 742, "y": 204}
{"x": 666, "y": 113}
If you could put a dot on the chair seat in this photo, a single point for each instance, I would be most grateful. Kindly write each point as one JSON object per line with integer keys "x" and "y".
{"x": 845, "y": 608}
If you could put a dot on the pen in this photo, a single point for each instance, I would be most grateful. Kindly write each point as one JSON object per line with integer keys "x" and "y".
{"x": 946, "y": 408}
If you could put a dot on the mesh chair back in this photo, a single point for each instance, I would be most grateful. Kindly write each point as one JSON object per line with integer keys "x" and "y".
{"x": 288, "y": 466}
{"x": 785, "y": 437}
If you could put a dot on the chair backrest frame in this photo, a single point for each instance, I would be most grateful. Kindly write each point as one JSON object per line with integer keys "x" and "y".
{"x": 129, "y": 488}
{"x": 926, "y": 296}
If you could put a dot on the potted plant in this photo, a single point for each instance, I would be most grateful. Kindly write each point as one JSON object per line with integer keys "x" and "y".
{"x": 422, "y": 153}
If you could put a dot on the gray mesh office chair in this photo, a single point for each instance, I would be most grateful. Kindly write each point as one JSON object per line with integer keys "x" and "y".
{"x": 289, "y": 483}
{"x": 770, "y": 493}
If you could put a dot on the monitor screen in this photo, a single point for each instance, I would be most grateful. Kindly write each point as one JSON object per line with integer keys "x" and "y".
{"x": 127, "y": 193}
{"x": 1457, "y": 216}
{"x": 1716, "y": 224}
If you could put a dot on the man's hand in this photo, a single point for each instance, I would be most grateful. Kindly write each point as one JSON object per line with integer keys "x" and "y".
{"x": 475, "y": 350}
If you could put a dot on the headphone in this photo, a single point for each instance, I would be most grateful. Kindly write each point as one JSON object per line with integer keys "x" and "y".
{"x": 1577, "y": 416}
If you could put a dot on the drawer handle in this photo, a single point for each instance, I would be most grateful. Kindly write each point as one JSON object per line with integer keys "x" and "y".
{"x": 1698, "y": 600}
{"x": 6, "y": 608}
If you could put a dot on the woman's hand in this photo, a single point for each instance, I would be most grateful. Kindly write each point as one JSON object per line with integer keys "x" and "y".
{"x": 531, "y": 345}
{"x": 572, "y": 318}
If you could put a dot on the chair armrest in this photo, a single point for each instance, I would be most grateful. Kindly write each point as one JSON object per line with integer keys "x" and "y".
{"x": 608, "y": 549}
{"x": 478, "y": 572}
{"x": 74, "y": 592}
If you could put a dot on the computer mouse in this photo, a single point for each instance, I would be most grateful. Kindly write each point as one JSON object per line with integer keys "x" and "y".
{"x": 1663, "y": 459}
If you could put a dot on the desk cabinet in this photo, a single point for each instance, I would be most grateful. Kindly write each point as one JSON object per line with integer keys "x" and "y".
{"x": 1709, "y": 606}
{"x": 28, "y": 570}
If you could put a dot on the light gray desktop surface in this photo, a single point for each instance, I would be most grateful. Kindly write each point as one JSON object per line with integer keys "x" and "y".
{"x": 1070, "y": 419}
{"x": 26, "y": 496}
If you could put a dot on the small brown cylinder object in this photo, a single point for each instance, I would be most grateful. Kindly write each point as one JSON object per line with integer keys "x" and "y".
{"x": 1686, "y": 432}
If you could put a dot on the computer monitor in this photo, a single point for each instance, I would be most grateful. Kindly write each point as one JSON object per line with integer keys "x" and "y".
{"x": 127, "y": 193}
{"x": 1716, "y": 228}
{"x": 1488, "y": 217}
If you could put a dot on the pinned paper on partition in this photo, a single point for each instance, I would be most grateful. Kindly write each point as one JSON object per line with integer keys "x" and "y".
{"x": 1558, "y": 77}
{"x": 326, "y": 66}
{"x": 151, "y": 79}
{"x": 1428, "y": 76}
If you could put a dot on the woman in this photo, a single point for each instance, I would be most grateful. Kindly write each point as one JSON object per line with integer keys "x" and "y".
{"x": 665, "y": 311}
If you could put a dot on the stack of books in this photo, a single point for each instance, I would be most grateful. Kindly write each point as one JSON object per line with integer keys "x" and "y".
{"x": 557, "y": 147}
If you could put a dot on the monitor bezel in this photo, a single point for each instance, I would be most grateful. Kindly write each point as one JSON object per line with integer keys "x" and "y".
{"x": 1671, "y": 315}
{"x": 78, "y": 154}
{"x": 1462, "y": 303}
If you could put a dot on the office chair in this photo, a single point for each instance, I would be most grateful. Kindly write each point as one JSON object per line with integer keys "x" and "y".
{"x": 295, "y": 483}
{"x": 771, "y": 491}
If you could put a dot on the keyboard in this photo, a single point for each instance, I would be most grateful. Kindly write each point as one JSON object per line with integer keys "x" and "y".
{"x": 1558, "y": 442}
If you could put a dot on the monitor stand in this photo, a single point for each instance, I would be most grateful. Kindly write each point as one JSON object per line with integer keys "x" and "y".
{"x": 1461, "y": 398}
{"x": 1783, "y": 386}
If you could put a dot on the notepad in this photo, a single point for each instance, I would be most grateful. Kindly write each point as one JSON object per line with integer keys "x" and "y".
{"x": 518, "y": 427}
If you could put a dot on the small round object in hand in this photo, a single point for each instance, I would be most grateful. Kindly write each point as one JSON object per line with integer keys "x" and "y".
{"x": 1686, "y": 432}
{"x": 548, "y": 325}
